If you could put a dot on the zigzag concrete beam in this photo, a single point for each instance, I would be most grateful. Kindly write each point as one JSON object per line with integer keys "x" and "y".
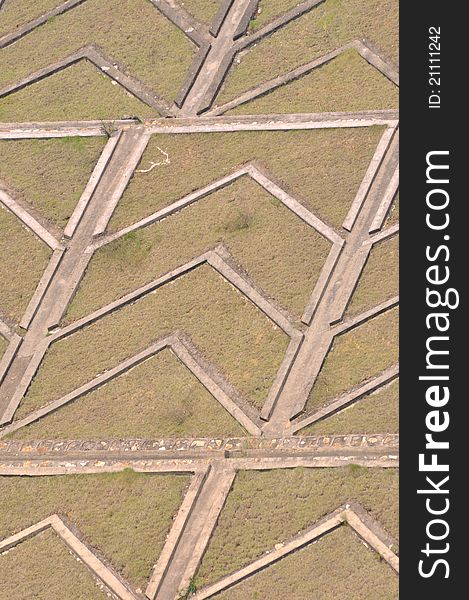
{"x": 102, "y": 572}
{"x": 344, "y": 400}
{"x": 20, "y": 32}
{"x": 174, "y": 342}
{"x": 216, "y": 262}
{"x": 95, "y": 56}
{"x": 305, "y": 69}
{"x": 29, "y": 221}
{"x": 341, "y": 516}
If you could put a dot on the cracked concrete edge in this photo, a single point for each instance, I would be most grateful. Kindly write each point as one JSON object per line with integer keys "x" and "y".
{"x": 175, "y": 533}
{"x": 220, "y": 17}
{"x": 99, "y": 570}
{"x": 136, "y": 151}
{"x": 276, "y": 24}
{"x": 195, "y": 30}
{"x": 9, "y": 354}
{"x": 9, "y": 203}
{"x": 344, "y": 400}
{"x": 41, "y": 288}
{"x": 369, "y": 177}
{"x": 342, "y": 515}
{"x": 20, "y": 32}
{"x": 232, "y": 448}
{"x": 224, "y": 480}
{"x": 382, "y": 235}
{"x": 204, "y": 123}
{"x": 362, "y": 318}
{"x": 91, "y": 185}
{"x": 192, "y": 74}
{"x": 321, "y": 284}
{"x": 386, "y": 202}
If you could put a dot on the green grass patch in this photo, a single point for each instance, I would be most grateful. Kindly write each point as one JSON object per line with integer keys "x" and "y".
{"x": 43, "y": 568}
{"x": 226, "y": 328}
{"x": 24, "y": 258}
{"x": 281, "y": 253}
{"x": 374, "y": 413}
{"x": 160, "y": 61}
{"x": 379, "y": 280}
{"x": 322, "y": 169}
{"x": 268, "y": 507}
{"x": 78, "y": 92}
{"x": 50, "y": 175}
{"x": 158, "y": 398}
{"x": 339, "y": 565}
{"x": 321, "y": 30}
{"x": 124, "y": 516}
{"x": 356, "y": 356}
{"x": 347, "y": 83}
{"x": 15, "y": 13}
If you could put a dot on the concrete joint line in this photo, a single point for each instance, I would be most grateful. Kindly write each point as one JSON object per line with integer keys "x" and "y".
{"x": 136, "y": 149}
{"x": 9, "y": 355}
{"x": 385, "y": 205}
{"x": 176, "y": 344}
{"x": 382, "y": 235}
{"x": 89, "y": 559}
{"x": 175, "y": 534}
{"x": 362, "y": 318}
{"x": 367, "y": 181}
{"x": 29, "y": 221}
{"x": 95, "y": 178}
{"x": 42, "y": 288}
{"x": 344, "y": 400}
{"x": 341, "y": 516}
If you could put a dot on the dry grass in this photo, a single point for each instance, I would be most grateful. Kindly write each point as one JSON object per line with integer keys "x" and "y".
{"x": 158, "y": 398}
{"x": 347, "y": 83}
{"x": 323, "y": 169}
{"x": 393, "y": 215}
{"x": 379, "y": 280}
{"x": 356, "y": 356}
{"x": 375, "y": 413}
{"x": 78, "y": 92}
{"x": 226, "y": 328}
{"x": 24, "y": 258}
{"x": 203, "y": 10}
{"x": 124, "y": 516}
{"x": 268, "y": 507}
{"x": 44, "y": 569}
{"x": 329, "y": 26}
{"x": 161, "y": 62}
{"x": 269, "y": 9}
{"x": 15, "y": 13}
{"x": 50, "y": 175}
{"x": 280, "y": 252}
{"x": 336, "y": 566}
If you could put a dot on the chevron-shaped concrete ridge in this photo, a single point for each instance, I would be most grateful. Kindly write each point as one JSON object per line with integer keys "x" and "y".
{"x": 352, "y": 515}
